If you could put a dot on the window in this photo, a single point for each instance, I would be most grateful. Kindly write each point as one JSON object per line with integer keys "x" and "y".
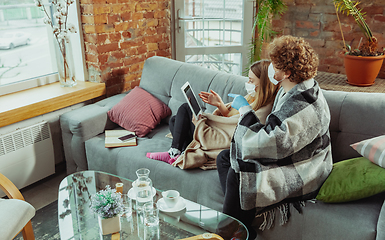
{"x": 211, "y": 33}
{"x": 27, "y": 55}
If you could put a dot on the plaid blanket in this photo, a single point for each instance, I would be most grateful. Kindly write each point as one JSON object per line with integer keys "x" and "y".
{"x": 287, "y": 159}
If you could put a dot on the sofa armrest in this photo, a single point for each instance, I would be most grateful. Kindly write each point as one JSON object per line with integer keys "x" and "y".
{"x": 381, "y": 223}
{"x": 82, "y": 124}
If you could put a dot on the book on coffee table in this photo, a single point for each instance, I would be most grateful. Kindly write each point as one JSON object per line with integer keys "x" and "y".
{"x": 119, "y": 138}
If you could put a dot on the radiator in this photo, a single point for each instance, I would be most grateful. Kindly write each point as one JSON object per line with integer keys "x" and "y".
{"x": 26, "y": 155}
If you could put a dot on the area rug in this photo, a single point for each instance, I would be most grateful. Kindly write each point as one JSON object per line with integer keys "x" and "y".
{"x": 45, "y": 223}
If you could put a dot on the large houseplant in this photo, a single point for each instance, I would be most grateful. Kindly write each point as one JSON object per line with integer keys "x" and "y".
{"x": 262, "y": 30}
{"x": 363, "y": 63}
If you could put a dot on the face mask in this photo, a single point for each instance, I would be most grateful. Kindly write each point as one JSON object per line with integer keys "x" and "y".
{"x": 271, "y": 73}
{"x": 250, "y": 88}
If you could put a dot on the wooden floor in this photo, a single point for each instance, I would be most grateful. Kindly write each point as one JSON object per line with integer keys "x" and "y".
{"x": 337, "y": 82}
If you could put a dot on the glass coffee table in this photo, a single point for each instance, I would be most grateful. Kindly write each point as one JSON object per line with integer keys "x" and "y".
{"x": 78, "y": 221}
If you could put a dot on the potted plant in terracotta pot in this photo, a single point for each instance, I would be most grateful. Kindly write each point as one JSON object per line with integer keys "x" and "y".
{"x": 363, "y": 63}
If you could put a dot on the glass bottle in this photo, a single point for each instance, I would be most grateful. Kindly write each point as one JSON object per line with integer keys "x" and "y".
{"x": 143, "y": 191}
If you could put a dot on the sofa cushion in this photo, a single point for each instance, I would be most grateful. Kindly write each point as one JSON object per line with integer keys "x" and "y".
{"x": 139, "y": 112}
{"x": 373, "y": 149}
{"x": 352, "y": 179}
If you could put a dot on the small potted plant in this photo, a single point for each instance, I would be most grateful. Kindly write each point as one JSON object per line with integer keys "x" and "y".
{"x": 363, "y": 63}
{"x": 108, "y": 204}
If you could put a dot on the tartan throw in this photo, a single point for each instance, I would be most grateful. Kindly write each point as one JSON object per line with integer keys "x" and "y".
{"x": 286, "y": 160}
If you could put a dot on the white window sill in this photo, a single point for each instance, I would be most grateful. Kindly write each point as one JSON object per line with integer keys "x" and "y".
{"x": 19, "y": 106}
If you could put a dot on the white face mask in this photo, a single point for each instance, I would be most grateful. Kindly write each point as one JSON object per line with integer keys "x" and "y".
{"x": 250, "y": 88}
{"x": 271, "y": 73}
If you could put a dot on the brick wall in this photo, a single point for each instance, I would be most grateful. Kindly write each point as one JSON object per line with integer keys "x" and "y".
{"x": 119, "y": 35}
{"x": 316, "y": 21}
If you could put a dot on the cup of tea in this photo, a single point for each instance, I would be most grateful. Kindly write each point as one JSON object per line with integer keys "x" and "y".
{"x": 171, "y": 197}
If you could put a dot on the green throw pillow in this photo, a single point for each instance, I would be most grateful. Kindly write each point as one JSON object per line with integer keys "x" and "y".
{"x": 351, "y": 180}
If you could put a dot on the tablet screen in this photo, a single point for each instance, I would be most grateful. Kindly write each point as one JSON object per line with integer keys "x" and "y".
{"x": 191, "y": 98}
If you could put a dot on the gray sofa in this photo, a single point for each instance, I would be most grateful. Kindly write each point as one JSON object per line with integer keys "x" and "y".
{"x": 355, "y": 117}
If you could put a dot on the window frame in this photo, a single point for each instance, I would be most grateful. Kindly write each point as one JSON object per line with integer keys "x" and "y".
{"x": 78, "y": 53}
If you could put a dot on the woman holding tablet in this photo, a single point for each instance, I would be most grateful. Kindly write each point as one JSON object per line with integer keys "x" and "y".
{"x": 261, "y": 95}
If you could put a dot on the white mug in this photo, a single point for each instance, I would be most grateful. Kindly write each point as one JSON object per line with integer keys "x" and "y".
{"x": 171, "y": 197}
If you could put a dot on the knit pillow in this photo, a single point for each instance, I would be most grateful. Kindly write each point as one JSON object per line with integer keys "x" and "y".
{"x": 351, "y": 180}
{"x": 139, "y": 112}
{"x": 373, "y": 149}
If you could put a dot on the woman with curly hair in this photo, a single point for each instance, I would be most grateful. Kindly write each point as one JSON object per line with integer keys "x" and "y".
{"x": 273, "y": 166}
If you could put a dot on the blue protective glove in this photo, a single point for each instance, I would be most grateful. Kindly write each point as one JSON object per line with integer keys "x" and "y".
{"x": 239, "y": 101}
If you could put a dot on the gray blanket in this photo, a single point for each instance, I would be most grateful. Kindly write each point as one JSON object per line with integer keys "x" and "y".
{"x": 287, "y": 159}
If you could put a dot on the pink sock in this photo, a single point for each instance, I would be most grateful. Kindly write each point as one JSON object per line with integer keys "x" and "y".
{"x": 172, "y": 160}
{"x": 162, "y": 156}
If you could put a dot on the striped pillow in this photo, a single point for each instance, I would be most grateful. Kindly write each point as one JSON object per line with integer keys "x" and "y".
{"x": 373, "y": 149}
{"x": 139, "y": 112}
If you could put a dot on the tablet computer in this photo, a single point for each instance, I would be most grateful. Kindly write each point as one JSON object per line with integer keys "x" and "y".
{"x": 191, "y": 99}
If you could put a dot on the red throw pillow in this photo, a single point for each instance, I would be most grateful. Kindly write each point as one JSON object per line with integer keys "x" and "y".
{"x": 139, "y": 112}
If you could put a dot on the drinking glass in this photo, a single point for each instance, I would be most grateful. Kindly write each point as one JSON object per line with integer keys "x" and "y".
{"x": 126, "y": 219}
{"x": 151, "y": 222}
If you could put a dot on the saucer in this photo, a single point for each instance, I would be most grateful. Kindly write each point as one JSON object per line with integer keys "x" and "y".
{"x": 179, "y": 206}
{"x": 132, "y": 195}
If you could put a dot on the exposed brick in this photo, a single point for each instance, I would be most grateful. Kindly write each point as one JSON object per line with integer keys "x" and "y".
{"x": 87, "y": 19}
{"x": 163, "y": 53}
{"x": 122, "y": 8}
{"x": 152, "y": 39}
{"x": 100, "y": 9}
{"x": 148, "y": 15}
{"x": 152, "y": 47}
{"x": 91, "y": 48}
{"x": 103, "y": 58}
{"x": 380, "y": 18}
{"x": 126, "y": 35}
{"x": 118, "y": 54}
{"x": 104, "y": 28}
{"x": 91, "y": 38}
{"x": 121, "y": 26}
{"x": 308, "y": 24}
{"x": 87, "y": 28}
{"x": 127, "y": 16}
{"x": 160, "y": 14}
{"x": 372, "y": 10}
{"x": 129, "y": 44}
{"x": 147, "y": 6}
{"x": 91, "y": 57}
{"x": 108, "y": 47}
{"x": 141, "y": 49}
{"x": 115, "y": 37}
{"x": 99, "y": 19}
{"x": 137, "y": 16}
{"x": 314, "y": 33}
{"x": 135, "y": 67}
{"x": 87, "y": 9}
{"x": 101, "y": 38}
{"x": 323, "y": 9}
{"x": 163, "y": 45}
{"x": 159, "y": 30}
{"x": 315, "y": 42}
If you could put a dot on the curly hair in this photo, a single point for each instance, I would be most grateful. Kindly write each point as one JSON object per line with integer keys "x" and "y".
{"x": 294, "y": 54}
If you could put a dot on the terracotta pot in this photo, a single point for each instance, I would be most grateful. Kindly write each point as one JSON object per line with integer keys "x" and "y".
{"x": 362, "y": 71}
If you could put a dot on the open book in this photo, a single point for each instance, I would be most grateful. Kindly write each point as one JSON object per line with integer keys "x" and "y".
{"x": 112, "y": 138}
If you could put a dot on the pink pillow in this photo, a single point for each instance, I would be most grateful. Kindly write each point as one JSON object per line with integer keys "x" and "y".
{"x": 139, "y": 112}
